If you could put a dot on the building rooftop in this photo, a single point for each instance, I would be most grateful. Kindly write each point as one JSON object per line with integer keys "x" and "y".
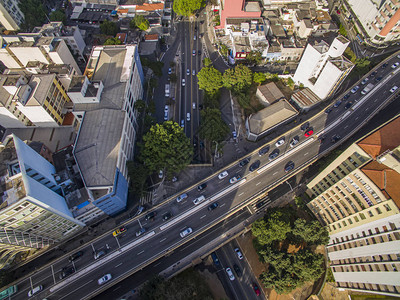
{"x": 40, "y": 85}
{"x": 305, "y": 98}
{"x": 341, "y": 62}
{"x": 271, "y": 92}
{"x": 98, "y": 145}
{"x": 252, "y": 6}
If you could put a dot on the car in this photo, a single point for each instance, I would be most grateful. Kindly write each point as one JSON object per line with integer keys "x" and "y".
{"x": 347, "y": 96}
{"x": 150, "y": 216}
{"x": 140, "y": 210}
{"x": 274, "y": 154}
{"x": 235, "y": 179}
{"x": 256, "y": 289}
{"x": 393, "y": 89}
{"x": 222, "y": 175}
{"x": 348, "y": 105}
{"x": 166, "y": 108}
{"x": 374, "y": 73}
{"x": 215, "y": 258}
{"x": 182, "y": 123}
{"x": 181, "y": 197}
{"x": 186, "y": 232}
{"x": 188, "y": 117}
{"x": 194, "y": 72}
{"x": 304, "y": 126}
{"x": 244, "y": 162}
{"x": 166, "y": 216}
{"x": 384, "y": 65}
{"x": 379, "y": 78}
{"x": 35, "y": 290}
{"x": 263, "y": 151}
{"x": 161, "y": 174}
{"x": 202, "y": 187}
{"x": 294, "y": 141}
{"x": 166, "y": 116}
{"x": 328, "y": 110}
{"x": 398, "y": 55}
{"x": 289, "y": 166}
{"x": 194, "y": 37}
{"x": 213, "y": 206}
{"x": 337, "y": 103}
{"x": 238, "y": 253}
{"x": 355, "y": 89}
{"x": 169, "y": 71}
{"x": 75, "y": 256}
{"x": 394, "y": 66}
{"x": 140, "y": 231}
{"x": 119, "y": 231}
{"x": 309, "y": 132}
{"x": 194, "y": 52}
{"x": 183, "y": 82}
{"x": 365, "y": 80}
{"x": 254, "y": 166}
{"x": 194, "y": 105}
{"x": 237, "y": 270}
{"x": 99, "y": 254}
{"x": 280, "y": 142}
{"x": 187, "y": 72}
{"x": 335, "y": 138}
{"x": 66, "y": 271}
{"x": 104, "y": 279}
{"x": 199, "y": 52}
{"x": 199, "y": 199}
{"x": 230, "y": 274}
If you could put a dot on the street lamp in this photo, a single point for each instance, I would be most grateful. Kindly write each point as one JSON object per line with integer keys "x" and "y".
{"x": 289, "y": 185}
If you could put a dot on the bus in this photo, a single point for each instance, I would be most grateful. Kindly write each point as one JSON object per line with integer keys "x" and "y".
{"x": 8, "y": 292}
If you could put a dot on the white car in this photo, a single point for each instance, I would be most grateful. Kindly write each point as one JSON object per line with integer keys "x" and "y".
{"x": 35, "y": 290}
{"x": 188, "y": 117}
{"x": 239, "y": 253}
{"x": 392, "y": 90}
{"x": 187, "y": 72}
{"x": 194, "y": 72}
{"x": 280, "y": 142}
{"x": 104, "y": 279}
{"x": 394, "y": 66}
{"x": 223, "y": 175}
{"x": 364, "y": 81}
{"x": 235, "y": 179}
{"x": 186, "y": 232}
{"x": 181, "y": 197}
{"x": 199, "y": 200}
{"x": 183, "y": 82}
{"x": 194, "y": 105}
{"x": 141, "y": 231}
{"x": 230, "y": 274}
{"x": 354, "y": 89}
{"x": 294, "y": 142}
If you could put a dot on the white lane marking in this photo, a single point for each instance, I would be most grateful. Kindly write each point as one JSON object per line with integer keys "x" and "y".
{"x": 223, "y": 204}
{"x": 157, "y": 264}
{"x": 118, "y": 265}
{"x": 275, "y": 173}
{"x": 202, "y": 217}
{"x": 258, "y": 183}
{"x": 141, "y": 252}
{"x": 356, "y": 118}
{"x": 162, "y": 240}
{"x": 305, "y": 154}
{"x": 240, "y": 194}
{"x": 346, "y": 126}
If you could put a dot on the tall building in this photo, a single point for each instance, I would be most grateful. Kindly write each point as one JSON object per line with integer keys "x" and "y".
{"x": 33, "y": 210}
{"x": 38, "y": 101}
{"x": 358, "y": 198}
{"x": 322, "y": 67}
{"x": 377, "y": 21}
{"x": 10, "y": 14}
{"x": 104, "y": 102}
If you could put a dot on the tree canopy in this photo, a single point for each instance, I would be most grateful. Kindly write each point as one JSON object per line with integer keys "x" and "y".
{"x": 238, "y": 79}
{"x": 140, "y": 22}
{"x": 187, "y": 8}
{"x": 58, "y": 16}
{"x": 212, "y": 127}
{"x": 137, "y": 173}
{"x": 259, "y": 78}
{"x": 166, "y": 147}
{"x": 113, "y": 41}
{"x": 209, "y": 79}
{"x": 34, "y": 14}
{"x": 109, "y": 28}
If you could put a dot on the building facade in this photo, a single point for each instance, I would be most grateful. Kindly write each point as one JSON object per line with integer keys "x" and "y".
{"x": 358, "y": 199}
{"x": 11, "y": 16}
{"x": 33, "y": 211}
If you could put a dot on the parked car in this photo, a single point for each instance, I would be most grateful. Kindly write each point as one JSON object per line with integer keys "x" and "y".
{"x": 104, "y": 279}
{"x": 215, "y": 258}
{"x": 35, "y": 290}
{"x": 274, "y": 154}
{"x": 222, "y": 175}
{"x": 294, "y": 141}
{"x": 347, "y": 96}
{"x": 66, "y": 271}
{"x": 238, "y": 253}
{"x": 328, "y": 110}
{"x": 230, "y": 274}
{"x": 365, "y": 80}
{"x": 309, "y": 132}
{"x": 119, "y": 231}
{"x": 263, "y": 151}
{"x": 379, "y": 78}
{"x": 355, "y": 89}
{"x": 374, "y": 73}
{"x": 140, "y": 231}
{"x": 335, "y": 138}
{"x": 289, "y": 166}
{"x": 140, "y": 210}
{"x": 337, "y": 103}
{"x": 235, "y": 179}
{"x": 202, "y": 187}
{"x": 166, "y": 216}
{"x": 394, "y": 66}
{"x": 256, "y": 289}
{"x": 244, "y": 162}
{"x": 99, "y": 254}
{"x": 150, "y": 216}
{"x": 75, "y": 256}
{"x": 348, "y": 105}
{"x": 181, "y": 197}
{"x": 186, "y": 232}
{"x": 304, "y": 126}
{"x": 254, "y": 166}
{"x": 213, "y": 206}
{"x": 384, "y": 65}
{"x": 237, "y": 270}
{"x": 280, "y": 142}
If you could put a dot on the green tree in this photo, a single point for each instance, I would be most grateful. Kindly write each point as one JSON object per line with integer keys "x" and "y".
{"x": 58, "y": 16}
{"x": 139, "y": 105}
{"x": 34, "y": 14}
{"x": 259, "y": 78}
{"x": 238, "y": 79}
{"x": 165, "y": 146}
{"x": 155, "y": 66}
{"x": 224, "y": 50}
{"x": 312, "y": 233}
{"x": 209, "y": 79}
{"x": 244, "y": 100}
{"x": 273, "y": 228}
{"x": 211, "y": 100}
{"x": 140, "y": 22}
{"x": 173, "y": 77}
{"x": 229, "y": 79}
{"x": 109, "y": 28}
{"x": 254, "y": 58}
{"x": 138, "y": 174}
{"x": 342, "y": 30}
{"x": 186, "y": 8}
{"x": 207, "y": 62}
{"x": 212, "y": 127}
{"x": 113, "y": 41}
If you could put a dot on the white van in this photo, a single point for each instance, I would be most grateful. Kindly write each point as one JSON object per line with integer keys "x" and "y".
{"x": 199, "y": 200}
{"x": 186, "y": 232}
{"x": 35, "y": 290}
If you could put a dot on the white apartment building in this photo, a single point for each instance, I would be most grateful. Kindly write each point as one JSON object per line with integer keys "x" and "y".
{"x": 322, "y": 67}
{"x": 33, "y": 211}
{"x": 377, "y": 21}
{"x": 10, "y": 14}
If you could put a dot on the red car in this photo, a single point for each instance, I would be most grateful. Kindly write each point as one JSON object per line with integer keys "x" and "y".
{"x": 308, "y": 133}
{"x": 256, "y": 289}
